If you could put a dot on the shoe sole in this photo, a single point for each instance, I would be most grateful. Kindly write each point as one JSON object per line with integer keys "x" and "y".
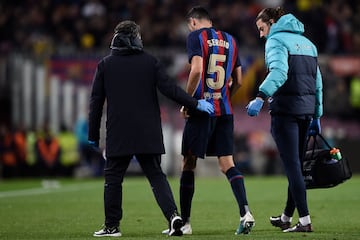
{"x": 290, "y": 230}
{"x": 300, "y": 231}
{"x": 108, "y": 235}
{"x": 247, "y": 228}
{"x": 185, "y": 232}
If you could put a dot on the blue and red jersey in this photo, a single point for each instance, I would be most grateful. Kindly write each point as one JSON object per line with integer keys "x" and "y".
{"x": 219, "y": 51}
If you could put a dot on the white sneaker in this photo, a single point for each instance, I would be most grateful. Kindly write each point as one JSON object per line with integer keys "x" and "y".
{"x": 108, "y": 232}
{"x": 246, "y": 224}
{"x": 186, "y": 229}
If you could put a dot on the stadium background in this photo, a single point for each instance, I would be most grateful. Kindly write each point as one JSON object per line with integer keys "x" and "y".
{"x": 49, "y": 51}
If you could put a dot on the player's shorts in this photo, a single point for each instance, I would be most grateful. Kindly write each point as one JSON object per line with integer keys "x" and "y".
{"x": 210, "y": 136}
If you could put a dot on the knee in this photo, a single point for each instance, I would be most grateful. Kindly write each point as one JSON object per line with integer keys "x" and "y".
{"x": 225, "y": 163}
{"x": 225, "y": 168}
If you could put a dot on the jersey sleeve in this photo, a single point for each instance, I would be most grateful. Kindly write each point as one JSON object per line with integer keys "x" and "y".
{"x": 237, "y": 57}
{"x": 193, "y": 45}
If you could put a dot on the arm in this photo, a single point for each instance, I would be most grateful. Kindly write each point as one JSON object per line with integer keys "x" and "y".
{"x": 169, "y": 88}
{"x": 97, "y": 99}
{"x": 319, "y": 95}
{"x": 315, "y": 127}
{"x": 193, "y": 80}
{"x": 194, "y": 75}
{"x": 276, "y": 57}
{"x": 236, "y": 82}
{"x": 194, "y": 50}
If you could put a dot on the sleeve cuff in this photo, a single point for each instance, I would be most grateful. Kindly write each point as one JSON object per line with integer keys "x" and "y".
{"x": 262, "y": 95}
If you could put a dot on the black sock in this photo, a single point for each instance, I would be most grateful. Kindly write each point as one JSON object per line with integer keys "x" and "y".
{"x": 237, "y": 184}
{"x": 187, "y": 188}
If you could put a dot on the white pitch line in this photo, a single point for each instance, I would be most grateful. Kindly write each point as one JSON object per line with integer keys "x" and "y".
{"x": 39, "y": 191}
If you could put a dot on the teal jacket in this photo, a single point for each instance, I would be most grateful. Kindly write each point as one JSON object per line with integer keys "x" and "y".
{"x": 294, "y": 81}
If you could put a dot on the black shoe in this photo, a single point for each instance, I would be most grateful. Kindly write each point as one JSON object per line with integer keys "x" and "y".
{"x": 299, "y": 228}
{"x": 276, "y": 222}
{"x": 175, "y": 226}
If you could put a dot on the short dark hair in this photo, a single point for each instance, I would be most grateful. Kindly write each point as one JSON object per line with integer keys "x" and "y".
{"x": 198, "y": 12}
{"x": 270, "y": 13}
{"x": 128, "y": 27}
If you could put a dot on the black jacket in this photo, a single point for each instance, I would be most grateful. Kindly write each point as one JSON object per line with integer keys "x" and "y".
{"x": 128, "y": 81}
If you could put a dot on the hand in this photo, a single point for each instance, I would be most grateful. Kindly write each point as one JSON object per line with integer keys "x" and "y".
{"x": 205, "y": 106}
{"x": 315, "y": 127}
{"x": 254, "y": 107}
{"x": 184, "y": 112}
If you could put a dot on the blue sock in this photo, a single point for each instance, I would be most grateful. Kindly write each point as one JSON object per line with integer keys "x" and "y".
{"x": 237, "y": 184}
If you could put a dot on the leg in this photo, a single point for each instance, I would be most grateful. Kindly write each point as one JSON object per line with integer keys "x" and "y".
{"x": 303, "y": 130}
{"x": 150, "y": 165}
{"x": 290, "y": 206}
{"x": 114, "y": 171}
{"x": 194, "y": 144}
{"x": 187, "y": 186}
{"x": 236, "y": 180}
{"x": 285, "y": 131}
{"x": 284, "y": 220}
{"x": 221, "y": 144}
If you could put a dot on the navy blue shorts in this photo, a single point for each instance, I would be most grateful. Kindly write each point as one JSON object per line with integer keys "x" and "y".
{"x": 210, "y": 136}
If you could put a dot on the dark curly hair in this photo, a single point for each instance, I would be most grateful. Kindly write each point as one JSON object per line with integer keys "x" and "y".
{"x": 129, "y": 28}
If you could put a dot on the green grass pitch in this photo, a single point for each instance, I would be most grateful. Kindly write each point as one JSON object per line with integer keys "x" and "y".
{"x": 74, "y": 209}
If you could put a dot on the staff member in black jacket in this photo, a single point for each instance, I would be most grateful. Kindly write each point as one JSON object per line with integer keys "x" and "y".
{"x": 128, "y": 80}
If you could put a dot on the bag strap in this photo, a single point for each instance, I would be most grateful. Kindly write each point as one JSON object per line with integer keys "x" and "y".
{"x": 313, "y": 145}
{"x": 324, "y": 140}
{"x": 315, "y": 142}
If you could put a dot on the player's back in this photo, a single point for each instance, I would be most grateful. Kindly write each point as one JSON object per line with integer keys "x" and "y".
{"x": 220, "y": 56}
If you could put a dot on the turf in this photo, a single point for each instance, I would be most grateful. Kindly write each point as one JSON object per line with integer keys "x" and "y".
{"x": 32, "y": 209}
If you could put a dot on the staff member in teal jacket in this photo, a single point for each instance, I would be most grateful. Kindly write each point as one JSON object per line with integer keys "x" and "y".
{"x": 293, "y": 87}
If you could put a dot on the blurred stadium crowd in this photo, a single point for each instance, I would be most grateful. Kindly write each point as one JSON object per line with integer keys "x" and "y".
{"x": 47, "y": 30}
{"x": 42, "y": 153}
{"x": 70, "y": 25}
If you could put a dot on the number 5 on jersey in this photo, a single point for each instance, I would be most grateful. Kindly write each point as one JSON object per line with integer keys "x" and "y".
{"x": 213, "y": 67}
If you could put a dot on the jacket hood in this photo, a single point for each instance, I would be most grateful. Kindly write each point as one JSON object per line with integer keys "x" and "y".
{"x": 122, "y": 41}
{"x": 287, "y": 23}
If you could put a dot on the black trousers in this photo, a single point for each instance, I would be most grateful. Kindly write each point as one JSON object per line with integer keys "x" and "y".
{"x": 115, "y": 169}
{"x": 289, "y": 133}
